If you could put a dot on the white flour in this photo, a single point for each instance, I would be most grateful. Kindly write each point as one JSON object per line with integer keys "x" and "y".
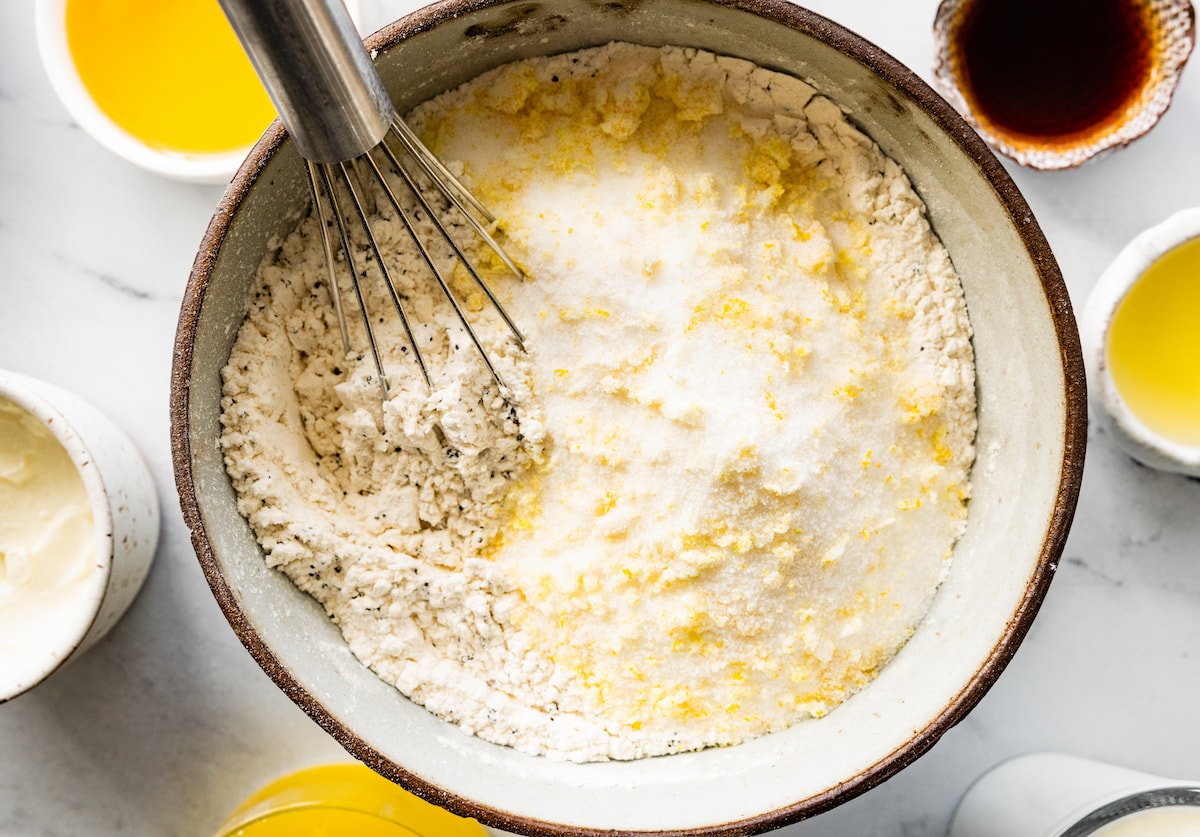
{"x": 736, "y": 457}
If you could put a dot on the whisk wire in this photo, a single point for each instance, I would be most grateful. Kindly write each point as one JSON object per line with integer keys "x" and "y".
{"x": 322, "y": 171}
{"x": 430, "y": 163}
{"x": 323, "y": 82}
{"x": 413, "y": 188}
{"x": 328, "y": 180}
{"x": 323, "y": 222}
{"x": 453, "y": 189}
{"x": 358, "y": 201}
{"x": 410, "y": 226}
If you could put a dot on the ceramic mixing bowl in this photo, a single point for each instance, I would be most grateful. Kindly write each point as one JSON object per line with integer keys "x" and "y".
{"x": 1032, "y": 417}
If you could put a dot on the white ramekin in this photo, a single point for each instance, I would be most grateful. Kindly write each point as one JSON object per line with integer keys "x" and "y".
{"x": 64, "y": 78}
{"x": 1061, "y": 795}
{"x": 125, "y": 510}
{"x": 60, "y": 67}
{"x": 1109, "y": 409}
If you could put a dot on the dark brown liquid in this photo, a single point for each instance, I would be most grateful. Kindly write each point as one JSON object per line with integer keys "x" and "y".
{"x": 1053, "y": 69}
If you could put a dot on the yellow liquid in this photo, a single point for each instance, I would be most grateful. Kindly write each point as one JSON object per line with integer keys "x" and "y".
{"x": 342, "y": 800}
{"x": 170, "y": 72}
{"x": 322, "y": 822}
{"x": 1154, "y": 346}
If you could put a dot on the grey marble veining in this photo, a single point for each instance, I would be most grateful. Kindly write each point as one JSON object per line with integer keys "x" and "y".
{"x": 167, "y": 724}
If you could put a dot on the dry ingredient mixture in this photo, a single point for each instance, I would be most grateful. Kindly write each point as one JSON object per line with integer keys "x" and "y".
{"x": 733, "y": 463}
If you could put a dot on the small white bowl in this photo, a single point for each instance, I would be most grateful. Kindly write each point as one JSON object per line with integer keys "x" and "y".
{"x": 64, "y": 78}
{"x": 1064, "y": 795}
{"x": 1127, "y": 430}
{"x": 1172, "y": 32}
{"x": 125, "y": 513}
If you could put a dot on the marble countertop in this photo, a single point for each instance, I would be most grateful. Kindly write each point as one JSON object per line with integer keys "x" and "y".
{"x": 168, "y": 723}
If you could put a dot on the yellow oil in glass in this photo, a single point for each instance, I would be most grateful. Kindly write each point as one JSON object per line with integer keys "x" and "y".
{"x": 322, "y": 822}
{"x": 342, "y": 800}
{"x": 170, "y": 72}
{"x": 1153, "y": 346}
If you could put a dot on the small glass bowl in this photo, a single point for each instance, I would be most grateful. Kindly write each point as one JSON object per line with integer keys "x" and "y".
{"x": 347, "y": 798}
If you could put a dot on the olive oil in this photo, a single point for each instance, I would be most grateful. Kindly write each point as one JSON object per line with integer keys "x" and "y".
{"x": 342, "y": 800}
{"x": 323, "y": 822}
{"x": 1153, "y": 346}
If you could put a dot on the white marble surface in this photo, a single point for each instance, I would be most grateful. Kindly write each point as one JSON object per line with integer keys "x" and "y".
{"x": 168, "y": 723}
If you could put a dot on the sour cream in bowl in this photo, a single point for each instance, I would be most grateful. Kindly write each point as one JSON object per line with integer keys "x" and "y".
{"x": 79, "y": 523}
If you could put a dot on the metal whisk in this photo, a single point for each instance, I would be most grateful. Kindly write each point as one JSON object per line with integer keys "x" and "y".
{"x": 328, "y": 94}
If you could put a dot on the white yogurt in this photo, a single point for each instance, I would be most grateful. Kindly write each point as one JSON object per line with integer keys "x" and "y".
{"x": 1168, "y": 821}
{"x": 48, "y": 567}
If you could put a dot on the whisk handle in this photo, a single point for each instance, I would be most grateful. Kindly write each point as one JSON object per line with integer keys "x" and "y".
{"x": 316, "y": 70}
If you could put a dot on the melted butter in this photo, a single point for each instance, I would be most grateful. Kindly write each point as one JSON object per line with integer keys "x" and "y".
{"x": 171, "y": 74}
{"x": 1154, "y": 346}
{"x": 47, "y": 543}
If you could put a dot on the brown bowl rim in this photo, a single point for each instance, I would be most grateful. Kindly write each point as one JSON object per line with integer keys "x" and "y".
{"x": 906, "y": 82}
